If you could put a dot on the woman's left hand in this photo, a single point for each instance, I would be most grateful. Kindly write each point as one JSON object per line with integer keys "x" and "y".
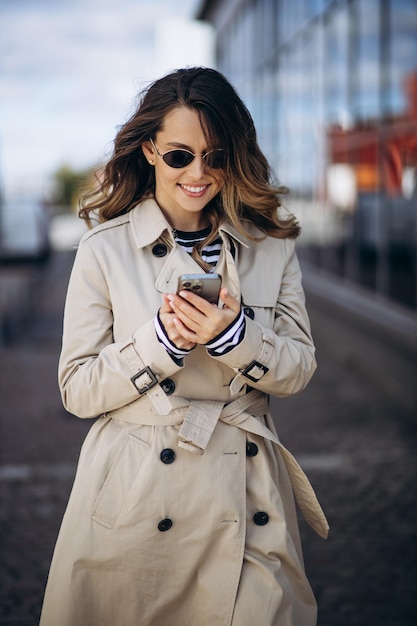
{"x": 199, "y": 321}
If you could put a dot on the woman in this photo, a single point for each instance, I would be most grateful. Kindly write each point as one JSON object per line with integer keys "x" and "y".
{"x": 182, "y": 510}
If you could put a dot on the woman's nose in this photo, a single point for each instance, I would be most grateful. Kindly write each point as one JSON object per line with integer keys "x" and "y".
{"x": 197, "y": 166}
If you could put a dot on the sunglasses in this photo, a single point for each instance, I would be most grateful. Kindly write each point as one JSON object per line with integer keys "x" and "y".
{"x": 214, "y": 159}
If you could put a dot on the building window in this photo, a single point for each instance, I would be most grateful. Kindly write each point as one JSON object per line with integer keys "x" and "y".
{"x": 332, "y": 87}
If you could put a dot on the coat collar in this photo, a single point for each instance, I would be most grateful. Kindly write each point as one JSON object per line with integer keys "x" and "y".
{"x": 148, "y": 223}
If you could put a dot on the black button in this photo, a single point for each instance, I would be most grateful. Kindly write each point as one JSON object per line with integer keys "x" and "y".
{"x": 159, "y": 249}
{"x": 251, "y": 449}
{"x": 167, "y": 456}
{"x": 249, "y": 312}
{"x": 168, "y": 386}
{"x": 261, "y": 518}
{"x": 164, "y": 525}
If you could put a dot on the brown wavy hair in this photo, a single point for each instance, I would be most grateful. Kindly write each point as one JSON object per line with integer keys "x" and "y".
{"x": 247, "y": 195}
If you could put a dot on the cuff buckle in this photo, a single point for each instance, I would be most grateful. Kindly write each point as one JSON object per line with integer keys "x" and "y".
{"x": 255, "y": 371}
{"x": 147, "y": 383}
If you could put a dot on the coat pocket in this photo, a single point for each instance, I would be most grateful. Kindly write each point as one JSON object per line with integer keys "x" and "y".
{"x": 116, "y": 487}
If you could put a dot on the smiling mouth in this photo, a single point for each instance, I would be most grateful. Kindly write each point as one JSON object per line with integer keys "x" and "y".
{"x": 194, "y": 189}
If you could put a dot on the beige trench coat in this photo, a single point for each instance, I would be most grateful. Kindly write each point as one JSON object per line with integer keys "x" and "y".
{"x": 182, "y": 510}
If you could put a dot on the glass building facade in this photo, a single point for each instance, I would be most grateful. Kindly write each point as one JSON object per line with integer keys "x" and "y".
{"x": 332, "y": 87}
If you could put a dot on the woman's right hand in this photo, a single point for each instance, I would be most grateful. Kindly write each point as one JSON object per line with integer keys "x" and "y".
{"x": 168, "y": 319}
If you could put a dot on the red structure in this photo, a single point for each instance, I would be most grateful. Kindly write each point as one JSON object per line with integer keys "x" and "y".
{"x": 380, "y": 150}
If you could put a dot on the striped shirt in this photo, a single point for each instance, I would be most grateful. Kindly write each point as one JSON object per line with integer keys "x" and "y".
{"x": 233, "y": 334}
{"x": 210, "y": 254}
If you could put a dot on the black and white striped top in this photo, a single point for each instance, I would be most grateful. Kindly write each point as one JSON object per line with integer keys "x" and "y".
{"x": 210, "y": 254}
{"x": 233, "y": 334}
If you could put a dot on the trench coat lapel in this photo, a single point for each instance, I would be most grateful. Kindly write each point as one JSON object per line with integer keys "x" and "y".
{"x": 227, "y": 269}
{"x": 148, "y": 224}
{"x": 178, "y": 262}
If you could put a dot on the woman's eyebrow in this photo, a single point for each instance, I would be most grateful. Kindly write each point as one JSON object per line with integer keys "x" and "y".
{"x": 183, "y": 146}
{"x": 178, "y": 144}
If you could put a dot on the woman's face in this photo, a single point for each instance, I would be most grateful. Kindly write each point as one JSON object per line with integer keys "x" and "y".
{"x": 183, "y": 193}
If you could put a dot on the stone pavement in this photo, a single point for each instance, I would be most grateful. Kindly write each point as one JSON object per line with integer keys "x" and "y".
{"x": 353, "y": 430}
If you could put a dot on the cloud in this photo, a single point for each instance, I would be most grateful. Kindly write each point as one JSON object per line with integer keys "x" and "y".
{"x": 69, "y": 74}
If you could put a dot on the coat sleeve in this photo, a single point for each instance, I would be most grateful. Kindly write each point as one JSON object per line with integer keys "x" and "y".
{"x": 281, "y": 360}
{"x": 93, "y": 374}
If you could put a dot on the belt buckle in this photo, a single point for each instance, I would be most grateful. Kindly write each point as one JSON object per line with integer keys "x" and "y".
{"x": 262, "y": 370}
{"x": 148, "y": 385}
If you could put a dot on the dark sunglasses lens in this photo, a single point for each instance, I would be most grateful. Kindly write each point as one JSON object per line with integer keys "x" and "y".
{"x": 215, "y": 159}
{"x": 178, "y": 158}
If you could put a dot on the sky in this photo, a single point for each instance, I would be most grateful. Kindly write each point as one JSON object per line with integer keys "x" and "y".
{"x": 70, "y": 73}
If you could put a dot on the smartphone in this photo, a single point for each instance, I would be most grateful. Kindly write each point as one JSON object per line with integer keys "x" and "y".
{"x": 206, "y": 286}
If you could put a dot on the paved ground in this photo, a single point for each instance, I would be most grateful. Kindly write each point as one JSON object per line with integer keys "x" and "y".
{"x": 353, "y": 430}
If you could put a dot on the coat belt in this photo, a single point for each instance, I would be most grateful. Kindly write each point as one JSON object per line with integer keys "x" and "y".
{"x": 198, "y": 420}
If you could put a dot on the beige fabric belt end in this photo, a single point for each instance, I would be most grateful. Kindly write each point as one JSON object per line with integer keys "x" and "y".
{"x": 198, "y": 425}
{"x": 305, "y": 495}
